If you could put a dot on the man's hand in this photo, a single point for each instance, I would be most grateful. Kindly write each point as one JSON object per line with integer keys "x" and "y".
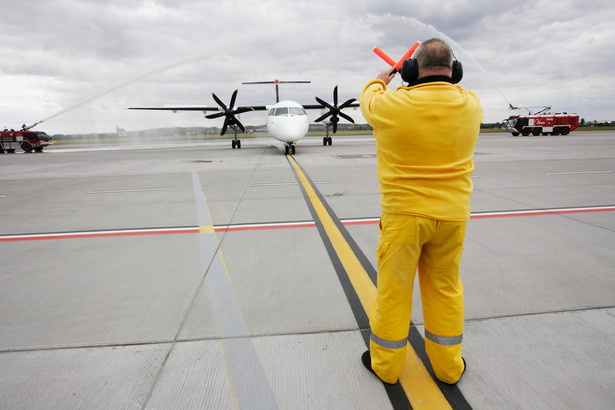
{"x": 386, "y": 76}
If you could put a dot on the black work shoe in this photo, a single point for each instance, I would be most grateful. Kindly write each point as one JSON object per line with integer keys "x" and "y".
{"x": 367, "y": 362}
{"x": 465, "y": 366}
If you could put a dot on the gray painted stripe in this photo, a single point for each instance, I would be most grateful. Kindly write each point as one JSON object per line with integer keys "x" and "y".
{"x": 398, "y": 344}
{"x": 119, "y": 191}
{"x": 442, "y": 340}
{"x": 578, "y": 172}
{"x": 250, "y": 385}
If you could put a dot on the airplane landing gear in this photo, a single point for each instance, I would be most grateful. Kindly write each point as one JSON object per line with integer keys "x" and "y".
{"x": 327, "y": 140}
{"x": 290, "y": 148}
{"x": 236, "y": 143}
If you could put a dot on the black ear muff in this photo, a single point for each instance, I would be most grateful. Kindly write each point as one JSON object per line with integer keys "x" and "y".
{"x": 410, "y": 70}
{"x": 457, "y": 72}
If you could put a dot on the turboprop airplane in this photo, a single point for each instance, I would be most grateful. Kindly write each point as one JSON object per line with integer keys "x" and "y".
{"x": 287, "y": 121}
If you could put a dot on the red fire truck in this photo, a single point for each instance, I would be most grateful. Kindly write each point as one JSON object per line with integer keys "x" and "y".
{"x": 545, "y": 124}
{"x": 27, "y": 140}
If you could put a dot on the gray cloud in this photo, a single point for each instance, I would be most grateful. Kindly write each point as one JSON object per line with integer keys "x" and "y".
{"x": 58, "y": 53}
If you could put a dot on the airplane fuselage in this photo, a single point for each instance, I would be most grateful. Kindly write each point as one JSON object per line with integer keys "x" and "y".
{"x": 287, "y": 121}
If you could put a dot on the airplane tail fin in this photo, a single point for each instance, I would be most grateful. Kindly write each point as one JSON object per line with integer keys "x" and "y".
{"x": 276, "y": 82}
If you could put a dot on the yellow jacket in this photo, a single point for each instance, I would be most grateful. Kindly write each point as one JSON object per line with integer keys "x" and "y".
{"x": 425, "y": 139}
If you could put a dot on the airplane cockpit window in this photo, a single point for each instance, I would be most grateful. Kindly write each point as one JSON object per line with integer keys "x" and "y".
{"x": 287, "y": 111}
{"x": 297, "y": 111}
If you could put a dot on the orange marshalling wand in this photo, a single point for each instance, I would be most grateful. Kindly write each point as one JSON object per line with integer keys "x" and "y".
{"x": 396, "y": 65}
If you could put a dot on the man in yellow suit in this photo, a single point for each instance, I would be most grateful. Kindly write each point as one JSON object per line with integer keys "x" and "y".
{"x": 425, "y": 138}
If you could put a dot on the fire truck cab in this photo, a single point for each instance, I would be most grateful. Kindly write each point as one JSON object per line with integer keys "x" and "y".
{"x": 547, "y": 124}
{"x": 27, "y": 140}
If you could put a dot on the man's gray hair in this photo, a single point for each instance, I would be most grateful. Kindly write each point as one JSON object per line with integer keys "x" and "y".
{"x": 434, "y": 53}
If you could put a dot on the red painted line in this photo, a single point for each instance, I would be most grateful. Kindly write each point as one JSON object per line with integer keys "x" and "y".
{"x": 507, "y": 214}
{"x": 580, "y": 211}
{"x": 369, "y": 221}
{"x": 271, "y": 226}
{"x": 539, "y": 212}
{"x": 260, "y": 227}
{"x": 100, "y": 234}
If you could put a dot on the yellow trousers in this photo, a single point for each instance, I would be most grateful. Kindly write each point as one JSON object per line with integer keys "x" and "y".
{"x": 406, "y": 243}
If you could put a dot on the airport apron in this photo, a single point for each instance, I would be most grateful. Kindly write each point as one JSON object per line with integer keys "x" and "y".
{"x": 408, "y": 242}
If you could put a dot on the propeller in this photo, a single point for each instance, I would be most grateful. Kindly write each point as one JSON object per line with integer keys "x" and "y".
{"x": 335, "y": 110}
{"x": 230, "y": 113}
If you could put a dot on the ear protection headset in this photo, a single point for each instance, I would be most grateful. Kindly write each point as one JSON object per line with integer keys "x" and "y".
{"x": 410, "y": 71}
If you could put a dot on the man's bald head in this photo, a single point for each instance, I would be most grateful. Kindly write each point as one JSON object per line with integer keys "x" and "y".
{"x": 434, "y": 57}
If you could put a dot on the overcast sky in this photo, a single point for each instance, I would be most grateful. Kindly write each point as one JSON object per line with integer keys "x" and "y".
{"x": 79, "y": 64}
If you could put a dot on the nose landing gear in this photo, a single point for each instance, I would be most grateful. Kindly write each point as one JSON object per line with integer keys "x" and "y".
{"x": 236, "y": 143}
{"x": 289, "y": 148}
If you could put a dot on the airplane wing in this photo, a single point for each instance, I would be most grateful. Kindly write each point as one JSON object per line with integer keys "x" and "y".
{"x": 222, "y": 109}
{"x": 202, "y": 108}
{"x": 320, "y": 106}
{"x": 230, "y": 112}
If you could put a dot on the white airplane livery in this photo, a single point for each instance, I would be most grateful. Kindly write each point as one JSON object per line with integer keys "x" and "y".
{"x": 287, "y": 121}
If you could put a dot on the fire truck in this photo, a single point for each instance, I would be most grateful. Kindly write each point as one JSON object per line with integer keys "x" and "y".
{"x": 27, "y": 140}
{"x": 540, "y": 123}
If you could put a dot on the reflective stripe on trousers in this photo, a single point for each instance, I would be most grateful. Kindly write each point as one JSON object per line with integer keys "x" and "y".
{"x": 389, "y": 344}
{"x": 444, "y": 341}
{"x": 398, "y": 344}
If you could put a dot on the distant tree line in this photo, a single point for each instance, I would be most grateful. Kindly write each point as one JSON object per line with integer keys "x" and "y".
{"x": 490, "y": 125}
{"x": 143, "y": 134}
{"x": 187, "y": 132}
{"x": 190, "y": 132}
{"x": 584, "y": 123}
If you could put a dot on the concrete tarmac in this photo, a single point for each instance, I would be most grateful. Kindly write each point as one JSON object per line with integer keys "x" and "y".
{"x": 192, "y": 275}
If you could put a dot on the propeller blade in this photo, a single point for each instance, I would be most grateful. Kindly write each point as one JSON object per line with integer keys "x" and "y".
{"x": 322, "y": 117}
{"x": 219, "y": 101}
{"x": 233, "y": 97}
{"x": 334, "y": 127}
{"x": 324, "y": 103}
{"x": 347, "y": 103}
{"x": 240, "y": 125}
{"x": 346, "y": 117}
{"x": 243, "y": 109}
{"x": 335, "y": 96}
{"x": 231, "y": 120}
{"x": 216, "y": 115}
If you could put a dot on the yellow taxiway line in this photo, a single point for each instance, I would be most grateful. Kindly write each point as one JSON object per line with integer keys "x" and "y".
{"x": 421, "y": 390}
